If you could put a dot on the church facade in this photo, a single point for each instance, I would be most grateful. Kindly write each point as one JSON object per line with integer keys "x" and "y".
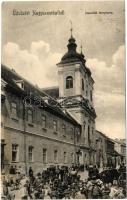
{"x": 76, "y": 88}
{"x": 50, "y": 126}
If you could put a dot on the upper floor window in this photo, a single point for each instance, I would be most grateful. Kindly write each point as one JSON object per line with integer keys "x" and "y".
{"x": 91, "y": 95}
{"x": 72, "y": 133}
{"x": 84, "y": 126}
{"x": 64, "y": 129}
{"x": 43, "y": 121}
{"x": 30, "y": 116}
{"x": 55, "y": 125}
{"x": 69, "y": 82}
{"x": 30, "y": 153}
{"x": 89, "y": 134}
{"x": 14, "y": 109}
{"x": 82, "y": 84}
{"x": 15, "y": 150}
{"x": 86, "y": 90}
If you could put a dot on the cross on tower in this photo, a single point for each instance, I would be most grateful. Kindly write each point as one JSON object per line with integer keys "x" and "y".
{"x": 81, "y": 48}
{"x": 71, "y": 28}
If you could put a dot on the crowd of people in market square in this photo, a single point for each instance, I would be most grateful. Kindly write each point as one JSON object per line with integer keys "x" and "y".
{"x": 62, "y": 182}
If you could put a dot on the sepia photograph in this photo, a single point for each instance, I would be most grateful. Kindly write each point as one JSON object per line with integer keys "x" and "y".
{"x": 63, "y": 91}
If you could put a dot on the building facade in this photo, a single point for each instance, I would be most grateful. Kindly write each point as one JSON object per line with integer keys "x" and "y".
{"x": 52, "y": 126}
{"x": 112, "y": 154}
{"x": 108, "y": 152}
{"x": 120, "y": 148}
{"x": 35, "y": 132}
{"x": 101, "y": 156}
{"x": 63, "y": 131}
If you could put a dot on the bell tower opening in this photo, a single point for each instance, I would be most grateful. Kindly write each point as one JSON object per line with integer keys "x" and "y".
{"x": 69, "y": 82}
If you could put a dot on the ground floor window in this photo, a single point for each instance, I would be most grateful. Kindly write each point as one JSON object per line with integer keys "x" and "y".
{"x": 72, "y": 158}
{"x": 55, "y": 156}
{"x": 30, "y": 153}
{"x": 15, "y": 150}
{"x": 44, "y": 155}
{"x": 65, "y": 157}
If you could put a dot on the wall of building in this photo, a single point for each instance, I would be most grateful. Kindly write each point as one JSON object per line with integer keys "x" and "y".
{"x": 101, "y": 157}
{"x": 38, "y": 142}
{"x": 87, "y": 141}
{"x": 24, "y": 134}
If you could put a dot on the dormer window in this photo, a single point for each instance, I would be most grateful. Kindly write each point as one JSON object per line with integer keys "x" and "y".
{"x": 20, "y": 83}
{"x": 69, "y": 82}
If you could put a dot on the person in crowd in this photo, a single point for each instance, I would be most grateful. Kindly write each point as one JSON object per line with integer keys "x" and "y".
{"x": 90, "y": 171}
{"x": 62, "y": 183}
{"x": 24, "y": 191}
{"x": 122, "y": 168}
{"x": 105, "y": 191}
{"x": 96, "y": 191}
{"x": 30, "y": 172}
{"x": 95, "y": 171}
{"x": 113, "y": 190}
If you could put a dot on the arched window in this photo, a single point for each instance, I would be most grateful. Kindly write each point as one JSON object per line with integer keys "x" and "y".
{"x": 82, "y": 84}
{"x": 69, "y": 82}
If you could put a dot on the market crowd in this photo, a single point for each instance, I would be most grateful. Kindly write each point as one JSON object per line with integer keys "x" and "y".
{"x": 65, "y": 183}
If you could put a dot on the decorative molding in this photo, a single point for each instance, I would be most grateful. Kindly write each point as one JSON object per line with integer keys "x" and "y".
{"x": 27, "y": 132}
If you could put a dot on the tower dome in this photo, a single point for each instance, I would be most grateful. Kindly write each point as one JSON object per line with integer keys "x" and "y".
{"x": 72, "y": 55}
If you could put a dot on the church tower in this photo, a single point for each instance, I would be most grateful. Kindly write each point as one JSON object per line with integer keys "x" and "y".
{"x": 76, "y": 95}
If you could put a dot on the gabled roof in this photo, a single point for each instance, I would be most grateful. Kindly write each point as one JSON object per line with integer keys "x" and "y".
{"x": 51, "y": 105}
{"x": 104, "y": 135}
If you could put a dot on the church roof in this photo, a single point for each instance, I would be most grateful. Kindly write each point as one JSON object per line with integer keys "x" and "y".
{"x": 72, "y": 55}
{"x": 52, "y": 91}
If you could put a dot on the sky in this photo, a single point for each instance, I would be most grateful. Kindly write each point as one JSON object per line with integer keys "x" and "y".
{"x": 33, "y": 45}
